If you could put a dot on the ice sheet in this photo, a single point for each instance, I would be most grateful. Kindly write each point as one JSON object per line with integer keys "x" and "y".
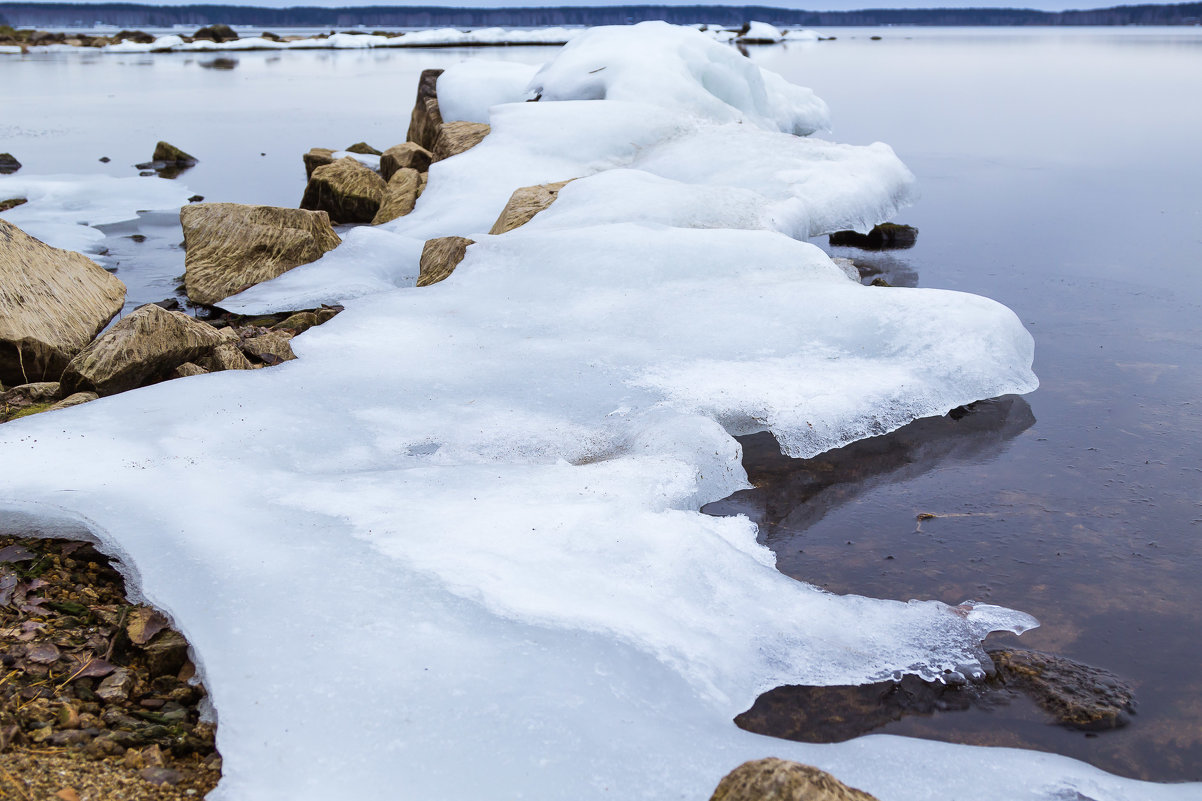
{"x": 454, "y": 547}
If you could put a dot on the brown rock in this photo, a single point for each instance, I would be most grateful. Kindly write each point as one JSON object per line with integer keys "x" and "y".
{"x": 270, "y": 348}
{"x": 349, "y": 191}
{"x": 12, "y": 203}
{"x": 170, "y": 154}
{"x": 298, "y": 323}
{"x": 1078, "y": 696}
{"x": 188, "y": 369}
{"x": 74, "y": 399}
{"x": 440, "y": 257}
{"x": 399, "y": 196}
{"x": 52, "y": 303}
{"x": 226, "y": 356}
{"x": 457, "y": 137}
{"x": 28, "y": 394}
{"x": 426, "y": 117}
{"x": 166, "y": 653}
{"x": 398, "y": 157}
{"x": 161, "y": 776}
{"x": 230, "y": 247}
{"x": 363, "y": 149}
{"x": 777, "y": 780}
{"x": 9, "y": 163}
{"x": 145, "y": 346}
{"x": 117, "y": 686}
{"x": 524, "y": 203}
{"x": 317, "y": 157}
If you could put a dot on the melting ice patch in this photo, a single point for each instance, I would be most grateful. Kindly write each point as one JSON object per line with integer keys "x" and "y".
{"x": 455, "y": 547}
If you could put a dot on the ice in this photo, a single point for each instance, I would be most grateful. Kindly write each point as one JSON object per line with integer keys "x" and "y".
{"x": 805, "y": 35}
{"x": 62, "y": 209}
{"x": 455, "y": 546}
{"x": 468, "y": 89}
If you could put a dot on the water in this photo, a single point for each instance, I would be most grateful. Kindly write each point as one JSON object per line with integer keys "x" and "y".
{"x": 1060, "y": 175}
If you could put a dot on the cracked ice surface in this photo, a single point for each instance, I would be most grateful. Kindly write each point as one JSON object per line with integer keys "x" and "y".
{"x": 453, "y": 550}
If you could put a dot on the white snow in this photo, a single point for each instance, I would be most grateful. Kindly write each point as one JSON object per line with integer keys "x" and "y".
{"x": 804, "y": 35}
{"x": 468, "y": 89}
{"x": 63, "y": 208}
{"x": 363, "y": 158}
{"x": 761, "y": 33}
{"x": 453, "y": 550}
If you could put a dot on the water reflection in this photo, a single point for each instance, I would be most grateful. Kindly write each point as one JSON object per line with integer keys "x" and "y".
{"x": 220, "y": 63}
{"x": 791, "y": 495}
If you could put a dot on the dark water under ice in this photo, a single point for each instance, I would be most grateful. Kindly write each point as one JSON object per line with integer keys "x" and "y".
{"x": 1060, "y": 174}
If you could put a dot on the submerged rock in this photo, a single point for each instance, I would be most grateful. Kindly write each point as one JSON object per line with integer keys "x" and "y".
{"x": 524, "y": 203}
{"x": 440, "y": 257}
{"x": 400, "y": 196}
{"x": 408, "y": 155}
{"x": 774, "y": 779}
{"x": 230, "y": 247}
{"x": 886, "y": 236}
{"x": 456, "y": 137}
{"x": 347, "y": 190}
{"x": 8, "y": 164}
{"x": 426, "y": 117}
{"x": 1078, "y": 696}
{"x": 52, "y": 303}
{"x": 145, "y": 346}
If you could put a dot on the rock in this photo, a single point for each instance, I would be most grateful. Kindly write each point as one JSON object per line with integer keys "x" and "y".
{"x": 400, "y": 195}
{"x": 886, "y": 236}
{"x": 398, "y": 157}
{"x": 145, "y": 346}
{"x": 12, "y": 203}
{"x": 317, "y": 157}
{"x": 74, "y": 399}
{"x": 349, "y": 191}
{"x": 8, "y": 164}
{"x": 327, "y": 313}
{"x": 196, "y": 198}
{"x": 440, "y": 257}
{"x": 216, "y": 33}
{"x": 270, "y": 348}
{"x": 363, "y": 149}
{"x": 426, "y": 116}
{"x": 456, "y": 137}
{"x": 171, "y": 155}
{"x": 140, "y": 37}
{"x": 166, "y": 653}
{"x": 297, "y": 323}
{"x": 777, "y": 780}
{"x": 230, "y": 247}
{"x": 187, "y": 369}
{"x": 524, "y": 203}
{"x": 117, "y": 686}
{"x": 271, "y": 37}
{"x": 161, "y": 776}
{"x": 1078, "y": 696}
{"x": 227, "y": 356}
{"x": 29, "y": 394}
{"x": 52, "y": 303}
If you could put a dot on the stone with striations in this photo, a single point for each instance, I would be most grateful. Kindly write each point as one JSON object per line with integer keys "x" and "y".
{"x": 524, "y": 203}
{"x": 347, "y": 190}
{"x": 52, "y": 303}
{"x": 774, "y": 779}
{"x": 74, "y": 399}
{"x": 456, "y": 137}
{"x": 226, "y": 356}
{"x": 426, "y": 116}
{"x": 230, "y": 247}
{"x": 398, "y": 157}
{"x": 270, "y": 348}
{"x": 440, "y": 257}
{"x": 144, "y": 346}
{"x": 363, "y": 149}
{"x": 317, "y": 157}
{"x": 399, "y": 196}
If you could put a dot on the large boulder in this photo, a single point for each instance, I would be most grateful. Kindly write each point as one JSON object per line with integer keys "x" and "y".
{"x": 524, "y": 203}
{"x": 230, "y": 247}
{"x": 317, "y": 157}
{"x": 145, "y": 346}
{"x": 216, "y": 33}
{"x": 440, "y": 257}
{"x": 52, "y": 303}
{"x": 399, "y": 196}
{"x": 774, "y": 779}
{"x": 347, "y": 190}
{"x": 456, "y": 137}
{"x": 407, "y": 155}
{"x": 426, "y": 117}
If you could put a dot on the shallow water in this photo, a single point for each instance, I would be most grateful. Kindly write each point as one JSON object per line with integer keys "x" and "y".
{"x": 1060, "y": 175}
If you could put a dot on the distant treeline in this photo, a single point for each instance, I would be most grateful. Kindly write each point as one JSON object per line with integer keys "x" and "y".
{"x": 129, "y": 15}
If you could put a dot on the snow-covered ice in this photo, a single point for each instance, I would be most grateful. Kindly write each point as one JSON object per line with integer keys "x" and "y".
{"x": 453, "y": 550}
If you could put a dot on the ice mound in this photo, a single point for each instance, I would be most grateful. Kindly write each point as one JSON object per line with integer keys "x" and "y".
{"x": 678, "y": 69}
{"x": 454, "y": 547}
{"x": 62, "y": 209}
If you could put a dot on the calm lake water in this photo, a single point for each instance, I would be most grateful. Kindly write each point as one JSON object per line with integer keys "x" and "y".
{"x": 1061, "y": 175}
